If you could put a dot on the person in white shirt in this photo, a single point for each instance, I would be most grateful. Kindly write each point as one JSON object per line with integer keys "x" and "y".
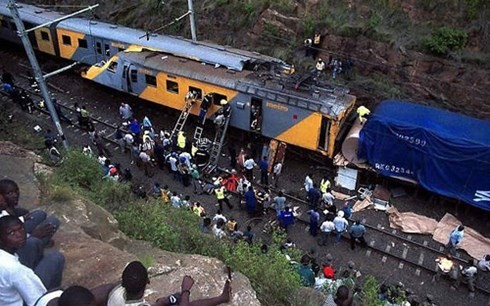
{"x": 328, "y": 197}
{"x": 340, "y": 225}
{"x": 219, "y": 216}
{"x": 327, "y": 228}
{"x": 276, "y": 173}
{"x": 484, "y": 263}
{"x": 249, "y": 165}
{"x": 218, "y": 231}
{"x": 18, "y": 283}
{"x": 308, "y": 183}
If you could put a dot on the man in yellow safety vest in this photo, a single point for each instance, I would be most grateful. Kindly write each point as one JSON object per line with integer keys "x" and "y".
{"x": 221, "y": 197}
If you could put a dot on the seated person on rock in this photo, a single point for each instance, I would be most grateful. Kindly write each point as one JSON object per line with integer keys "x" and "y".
{"x": 131, "y": 290}
{"x": 37, "y": 223}
{"x": 18, "y": 283}
{"x": 71, "y": 296}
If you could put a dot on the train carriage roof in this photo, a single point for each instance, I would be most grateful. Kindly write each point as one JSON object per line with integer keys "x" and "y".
{"x": 210, "y": 53}
{"x": 29, "y": 13}
{"x": 204, "y": 52}
{"x": 243, "y": 81}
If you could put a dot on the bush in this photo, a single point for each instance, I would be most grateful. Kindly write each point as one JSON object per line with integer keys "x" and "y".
{"x": 84, "y": 174}
{"x": 80, "y": 170}
{"x": 177, "y": 230}
{"x": 445, "y": 39}
{"x": 370, "y": 291}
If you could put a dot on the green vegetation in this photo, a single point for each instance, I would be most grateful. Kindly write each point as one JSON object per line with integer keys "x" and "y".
{"x": 83, "y": 174}
{"x": 272, "y": 276}
{"x": 445, "y": 39}
{"x": 370, "y": 292}
{"x": 177, "y": 230}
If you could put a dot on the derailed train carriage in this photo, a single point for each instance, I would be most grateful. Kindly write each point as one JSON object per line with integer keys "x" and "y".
{"x": 163, "y": 69}
{"x": 310, "y": 115}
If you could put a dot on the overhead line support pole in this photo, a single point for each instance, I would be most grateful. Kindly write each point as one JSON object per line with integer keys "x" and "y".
{"x": 36, "y": 69}
{"x": 193, "y": 23}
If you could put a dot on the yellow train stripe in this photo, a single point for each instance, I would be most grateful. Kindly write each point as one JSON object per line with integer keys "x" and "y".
{"x": 305, "y": 133}
{"x": 67, "y": 50}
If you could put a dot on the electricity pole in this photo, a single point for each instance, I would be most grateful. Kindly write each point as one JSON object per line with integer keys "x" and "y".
{"x": 191, "y": 18}
{"x": 37, "y": 72}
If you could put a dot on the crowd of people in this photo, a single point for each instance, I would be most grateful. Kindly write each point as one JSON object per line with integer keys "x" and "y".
{"x": 150, "y": 151}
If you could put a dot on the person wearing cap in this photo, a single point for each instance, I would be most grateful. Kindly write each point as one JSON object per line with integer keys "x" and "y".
{"x": 328, "y": 271}
{"x": 340, "y": 225}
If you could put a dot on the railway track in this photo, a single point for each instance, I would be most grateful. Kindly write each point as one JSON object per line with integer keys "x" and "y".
{"x": 398, "y": 246}
{"x": 391, "y": 245}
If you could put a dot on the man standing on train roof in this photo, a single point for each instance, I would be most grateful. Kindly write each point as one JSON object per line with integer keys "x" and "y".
{"x": 363, "y": 113}
{"x": 317, "y": 40}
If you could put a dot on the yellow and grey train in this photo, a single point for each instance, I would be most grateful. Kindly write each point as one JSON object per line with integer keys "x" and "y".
{"x": 266, "y": 98}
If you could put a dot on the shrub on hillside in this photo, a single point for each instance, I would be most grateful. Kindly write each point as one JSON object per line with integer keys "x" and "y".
{"x": 177, "y": 230}
{"x": 445, "y": 39}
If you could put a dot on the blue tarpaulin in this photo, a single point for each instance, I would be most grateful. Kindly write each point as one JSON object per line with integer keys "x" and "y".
{"x": 445, "y": 152}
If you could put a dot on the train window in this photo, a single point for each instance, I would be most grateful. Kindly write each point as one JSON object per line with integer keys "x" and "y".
{"x": 107, "y": 50}
{"x": 98, "y": 47}
{"x": 66, "y": 40}
{"x": 112, "y": 67}
{"x": 134, "y": 76}
{"x": 151, "y": 80}
{"x": 172, "y": 86}
{"x": 217, "y": 98}
{"x": 44, "y": 35}
{"x": 197, "y": 91}
{"x": 82, "y": 43}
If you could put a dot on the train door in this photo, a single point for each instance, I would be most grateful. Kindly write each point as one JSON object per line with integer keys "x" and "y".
{"x": 102, "y": 49}
{"x": 129, "y": 77}
{"x": 324, "y": 134}
{"x": 256, "y": 115}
